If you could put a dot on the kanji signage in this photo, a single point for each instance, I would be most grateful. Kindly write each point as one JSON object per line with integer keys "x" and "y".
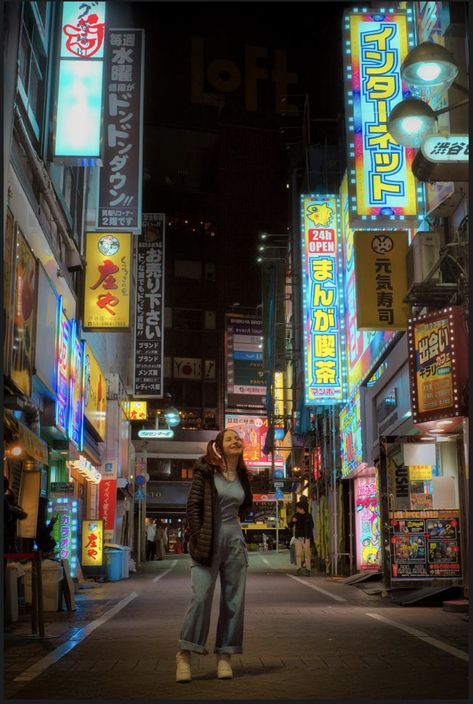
{"x": 246, "y": 380}
{"x": 107, "y": 281}
{"x": 76, "y": 389}
{"x": 438, "y": 344}
{"x": 381, "y": 184}
{"x": 64, "y": 532}
{"x": 381, "y": 280}
{"x": 92, "y": 543}
{"x": 149, "y": 322}
{"x": 443, "y": 157}
{"x": 322, "y": 301}
{"x": 138, "y": 410}
{"x": 120, "y": 180}
{"x": 95, "y": 393}
{"x": 107, "y": 505}
{"x": 77, "y": 139}
{"x": 351, "y": 435}
{"x": 367, "y": 524}
{"x": 364, "y": 347}
{"x": 63, "y": 372}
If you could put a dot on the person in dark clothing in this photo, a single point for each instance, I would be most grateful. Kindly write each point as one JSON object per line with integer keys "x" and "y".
{"x": 220, "y": 496}
{"x": 12, "y": 513}
{"x": 304, "y": 533}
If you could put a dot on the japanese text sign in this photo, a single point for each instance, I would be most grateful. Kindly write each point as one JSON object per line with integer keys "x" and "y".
{"x": 63, "y": 372}
{"x": 252, "y": 430}
{"x": 322, "y": 300}
{"x": 382, "y": 186}
{"x": 246, "y": 380}
{"x": 438, "y": 344}
{"x": 351, "y": 435}
{"x": 95, "y": 393}
{"x": 80, "y": 81}
{"x": 64, "y": 532}
{"x": 138, "y": 410}
{"x": 107, "y": 502}
{"x": 107, "y": 281}
{"x": 76, "y": 389}
{"x": 119, "y": 204}
{"x": 363, "y": 347}
{"x": 92, "y": 543}
{"x": 368, "y": 524}
{"x": 149, "y": 317}
{"x": 381, "y": 280}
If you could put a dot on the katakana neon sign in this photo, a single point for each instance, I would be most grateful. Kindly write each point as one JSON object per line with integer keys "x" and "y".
{"x": 323, "y": 315}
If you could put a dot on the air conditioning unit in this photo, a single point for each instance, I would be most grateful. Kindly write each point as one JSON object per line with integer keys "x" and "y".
{"x": 422, "y": 255}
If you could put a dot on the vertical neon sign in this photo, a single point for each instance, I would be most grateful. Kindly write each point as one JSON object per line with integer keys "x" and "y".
{"x": 76, "y": 389}
{"x": 65, "y": 529}
{"x": 382, "y": 186}
{"x": 63, "y": 367}
{"x": 323, "y": 314}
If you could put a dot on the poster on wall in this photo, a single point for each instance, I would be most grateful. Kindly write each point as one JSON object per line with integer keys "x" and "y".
{"x": 120, "y": 179}
{"x": 24, "y": 307}
{"x": 149, "y": 316}
{"x": 425, "y": 545}
{"x": 381, "y": 184}
{"x": 246, "y": 380}
{"x": 322, "y": 301}
{"x": 368, "y": 524}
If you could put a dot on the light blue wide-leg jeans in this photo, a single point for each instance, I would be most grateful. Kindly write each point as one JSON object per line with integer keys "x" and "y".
{"x": 230, "y": 560}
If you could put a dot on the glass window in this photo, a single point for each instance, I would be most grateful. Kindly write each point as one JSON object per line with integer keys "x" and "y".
{"x": 32, "y": 60}
{"x": 187, "y": 319}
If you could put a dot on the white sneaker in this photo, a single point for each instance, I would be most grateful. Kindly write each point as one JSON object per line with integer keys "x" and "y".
{"x": 183, "y": 666}
{"x": 224, "y": 669}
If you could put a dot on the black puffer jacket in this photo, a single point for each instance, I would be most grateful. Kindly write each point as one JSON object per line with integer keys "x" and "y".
{"x": 201, "y": 504}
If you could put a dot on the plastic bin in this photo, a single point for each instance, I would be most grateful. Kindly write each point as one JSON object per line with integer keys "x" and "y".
{"x": 52, "y": 575}
{"x": 113, "y": 564}
{"x": 125, "y": 561}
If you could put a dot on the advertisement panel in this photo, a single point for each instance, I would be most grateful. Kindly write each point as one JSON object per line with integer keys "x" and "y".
{"x": 381, "y": 184}
{"x": 92, "y": 543}
{"x": 24, "y": 307}
{"x": 120, "y": 179}
{"x": 252, "y": 430}
{"x": 63, "y": 372}
{"x": 367, "y": 524}
{"x": 76, "y": 389}
{"x": 95, "y": 393}
{"x": 381, "y": 277}
{"x": 138, "y": 410}
{"x": 78, "y": 118}
{"x": 438, "y": 344}
{"x": 425, "y": 545}
{"x": 107, "y": 281}
{"x": 149, "y": 313}
{"x": 322, "y": 301}
{"x": 65, "y": 529}
{"x": 364, "y": 347}
{"x": 47, "y": 311}
{"x": 107, "y": 505}
{"x": 351, "y": 435}
{"x": 246, "y": 380}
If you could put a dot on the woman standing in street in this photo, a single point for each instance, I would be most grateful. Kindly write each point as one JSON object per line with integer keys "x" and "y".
{"x": 220, "y": 495}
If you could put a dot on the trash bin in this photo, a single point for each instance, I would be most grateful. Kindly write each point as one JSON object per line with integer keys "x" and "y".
{"x": 52, "y": 575}
{"x": 14, "y": 570}
{"x": 125, "y": 561}
{"x": 113, "y": 564}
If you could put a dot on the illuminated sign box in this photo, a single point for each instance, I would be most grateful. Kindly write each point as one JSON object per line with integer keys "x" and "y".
{"x": 138, "y": 410}
{"x": 107, "y": 281}
{"x": 65, "y": 529}
{"x": 63, "y": 372}
{"x": 92, "y": 543}
{"x": 443, "y": 157}
{"x": 252, "y": 430}
{"x": 351, "y": 435}
{"x": 381, "y": 184}
{"x": 76, "y": 389}
{"x": 322, "y": 291}
{"x": 78, "y": 123}
{"x": 95, "y": 393}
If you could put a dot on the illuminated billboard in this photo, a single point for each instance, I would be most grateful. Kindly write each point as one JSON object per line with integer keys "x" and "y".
{"x": 246, "y": 380}
{"x": 95, "y": 393}
{"x": 76, "y": 389}
{"x": 92, "y": 543}
{"x": 63, "y": 372}
{"x": 78, "y": 123}
{"x": 351, "y": 438}
{"x": 252, "y": 430}
{"x": 381, "y": 183}
{"x": 322, "y": 301}
{"x": 64, "y": 532}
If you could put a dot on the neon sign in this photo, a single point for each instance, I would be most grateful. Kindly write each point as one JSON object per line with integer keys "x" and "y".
{"x": 63, "y": 368}
{"x": 351, "y": 435}
{"x": 382, "y": 186}
{"x": 65, "y": 529}
{"x": 76, "y": 389}
{"x": 324, "y": 325}
{"x": 368, "y": 525}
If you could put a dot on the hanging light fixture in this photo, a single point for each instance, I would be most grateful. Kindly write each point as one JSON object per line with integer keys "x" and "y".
{"x": 429, "y": 70}
{"x": 411, "y": 121}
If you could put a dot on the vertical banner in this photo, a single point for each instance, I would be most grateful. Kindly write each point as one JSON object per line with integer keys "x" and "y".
{"x": 381, "y": 183}
{"x": 322, "y": 304}
{"x": 92, "y": 543}
{"x": 24, "y": 309}
{"x": 246, "y": 380}
{"x": 107, "y": 281}
{"x": 120, "y": 184}
{"x": 63, "y": 371}
{"x": 78, "y": 118}
{"x": 107, "y": 505}
{"x": 95, "y": 393}
{"x": 381, "y": 278}
{"x": 76, "y": 391}
{"x": 438, "y": 364}
{"x": 149, "y": 317}
{"x": 351, "y": 437}
{"x": 364, "y": 347}
{"x": 367, "y": 524}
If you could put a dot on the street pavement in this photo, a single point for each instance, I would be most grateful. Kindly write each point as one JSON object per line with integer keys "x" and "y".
{"x": 305, "y": 638}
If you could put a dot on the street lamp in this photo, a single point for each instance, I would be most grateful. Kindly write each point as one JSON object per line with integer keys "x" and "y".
{"x": 411, "y": 121}
{"x": 172, "y": 417}
{"x": 429, "y": 70}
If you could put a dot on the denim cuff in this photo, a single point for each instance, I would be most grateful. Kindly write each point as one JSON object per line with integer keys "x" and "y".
{"x": 228, "y": 650}
{"x": 193, "y": 647}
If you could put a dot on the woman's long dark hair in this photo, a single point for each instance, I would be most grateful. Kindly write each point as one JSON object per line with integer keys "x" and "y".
{"x": 214, "y": 455}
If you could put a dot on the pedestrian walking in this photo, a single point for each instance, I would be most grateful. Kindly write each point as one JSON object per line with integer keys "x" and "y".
{"x": 161, "y": 541}
{"x": 150, "y": 539}
{"x": 220, "y": 496}
{"x": 303, "y": 532}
